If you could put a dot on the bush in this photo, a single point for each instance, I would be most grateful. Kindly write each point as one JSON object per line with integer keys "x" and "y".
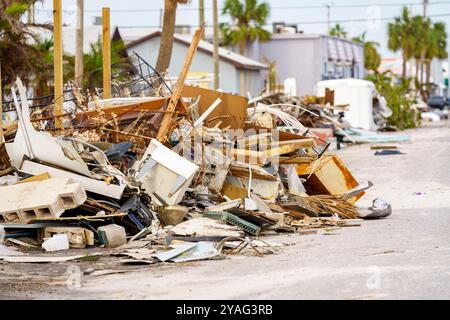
{"x": 404, "y": 116}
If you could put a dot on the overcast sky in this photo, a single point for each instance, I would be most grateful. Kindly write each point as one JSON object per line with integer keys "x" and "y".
{"x": 311, "y": 16}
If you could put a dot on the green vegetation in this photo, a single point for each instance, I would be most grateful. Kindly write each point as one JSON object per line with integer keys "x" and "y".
{"x": 403, "y": 115}
{"x": 372, "y": 58}
{"x": 248, "y": 19}
{"x": 93, "y": 61}
{"x": 19, "y": 57}
{"x": 338, "y": 31}
{"x": 420, "y": 39}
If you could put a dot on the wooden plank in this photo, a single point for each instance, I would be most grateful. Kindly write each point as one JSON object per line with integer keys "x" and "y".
{"x": 58, "y": 62}
{"x": 296, "y": 160}
{"x": 383, "y": 147}
{"x": 256, "y": 139}
{"x": 248, "y": 156}
{"x": 109, "y": 111}
{"x": 176, "y": 95}
{"x": 244, "y": 173}
{"x": 39, "y": 177}
{"x": 234, "y": 192}
{"x": 329, "y": 96}
{"x": 288, "y": 147}
{"x": 106, "y": 54}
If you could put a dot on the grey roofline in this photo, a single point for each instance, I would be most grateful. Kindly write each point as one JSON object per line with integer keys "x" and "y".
{"x": 182, "y": 41}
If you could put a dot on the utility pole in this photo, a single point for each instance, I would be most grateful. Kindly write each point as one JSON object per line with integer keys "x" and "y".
{"x": 216, "y": 45}
{"x": 79, "y": 44}
{"x": 58, "y": 63}
{"x": 425, "y": 4}
{"x": 422, "y": 56}
{"x": 328, "y": 17}
{"x": 106, "y": 54}
{"x": 201, "y": 15}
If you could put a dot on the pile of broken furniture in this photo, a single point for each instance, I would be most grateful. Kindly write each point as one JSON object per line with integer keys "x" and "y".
{"x": 194, "y": 170}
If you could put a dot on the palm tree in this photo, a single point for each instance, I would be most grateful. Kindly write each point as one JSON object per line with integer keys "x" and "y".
{"x": 248, "y": 20}
{"x": 401, "y": 37}
{"x": 372, "y": 58}
{"x": 18, "y": 55}
{"x": 436, "y": 47}
{"x": 94, "y": 61}
{"x": 44, "y": 70}
{"x": 419, "y": 30}
{"x": 168, "y": 29}
{"x": 338, "y": 31}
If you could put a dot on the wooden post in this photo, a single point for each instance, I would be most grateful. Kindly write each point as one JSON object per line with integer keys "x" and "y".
{"x": 106, "y": 54}
{"x": 176, "y": 95}
{"x": 79, "y": 44}
{"x": 201, "y": 14}
{"x": 216, "y": 45}
{"x": 58, "y": 62}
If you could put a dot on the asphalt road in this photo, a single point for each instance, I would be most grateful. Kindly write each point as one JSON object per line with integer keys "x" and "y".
{"x": 406, "y": 256}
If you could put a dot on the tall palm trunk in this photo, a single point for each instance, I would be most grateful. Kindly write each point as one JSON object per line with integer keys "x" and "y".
{"x": 165, "y": 48}
{"x": 422, "y": 68}
{"x": 404, "y": 66}
{"x": 242, "y": 46}
{"x": 417, "y": 71}
{"x": 428, "y": 65}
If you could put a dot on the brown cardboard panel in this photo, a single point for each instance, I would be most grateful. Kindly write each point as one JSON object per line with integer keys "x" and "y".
{"x": 232, "y": 111}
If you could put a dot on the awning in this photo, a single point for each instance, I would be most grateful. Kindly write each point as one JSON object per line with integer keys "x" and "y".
{"x": 356, "y": 54}
{"x": 341, "y": 51}
{"x": 349, "y": 51}
{"x": 332, "y": 50}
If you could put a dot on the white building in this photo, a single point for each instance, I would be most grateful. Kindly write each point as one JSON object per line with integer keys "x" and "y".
{"x": 237, "y": 74}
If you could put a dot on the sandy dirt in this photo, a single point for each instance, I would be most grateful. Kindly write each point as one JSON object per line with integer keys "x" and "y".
{"x": 406, "y": 256}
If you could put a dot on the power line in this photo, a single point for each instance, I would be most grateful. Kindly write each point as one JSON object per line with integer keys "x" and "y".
{"x": 272, "y": 7}
{"x": 316, "y": 22}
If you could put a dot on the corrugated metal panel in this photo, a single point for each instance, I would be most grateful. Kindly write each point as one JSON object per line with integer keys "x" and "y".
{"x": 349, "y": 51}
{"x": 332, "y": 50}
{"x": 356, "y": 54}
{"x": 341, "y": 50}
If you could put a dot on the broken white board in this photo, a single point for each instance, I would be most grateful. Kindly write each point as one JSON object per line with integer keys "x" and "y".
{"x": 89, "y": 184}
{"x": 176, "y": 251}
{"x": 206, "y": 227}
{"x": 40, "y": 145}
{"x": 45, "y": 259}
{"x": 202, "y": 250}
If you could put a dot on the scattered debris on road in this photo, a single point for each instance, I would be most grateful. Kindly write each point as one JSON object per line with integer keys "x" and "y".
{"x": 174, "y": 173}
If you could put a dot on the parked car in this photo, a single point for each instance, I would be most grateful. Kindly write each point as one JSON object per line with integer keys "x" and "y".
{"x": 438, "y": 102}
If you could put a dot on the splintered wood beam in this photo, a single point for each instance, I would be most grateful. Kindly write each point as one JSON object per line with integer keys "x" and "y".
{"x": 176, "y": 95}
{"x": 106, "y": 54}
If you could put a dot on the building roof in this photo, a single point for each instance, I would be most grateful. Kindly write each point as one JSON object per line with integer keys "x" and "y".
{"x": 338, "y": 49}
{"x": 235, "y": 59}
{"x": 130, "y": 34}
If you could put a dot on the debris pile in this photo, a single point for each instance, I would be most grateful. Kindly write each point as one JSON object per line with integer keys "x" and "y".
{"x": 188, "y": 171}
